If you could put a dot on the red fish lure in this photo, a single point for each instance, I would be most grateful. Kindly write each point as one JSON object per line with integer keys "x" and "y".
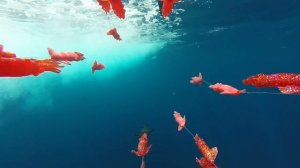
{"x": 287, "y": 83}
{"x": 180, "y": 120}
{"x": 65, "y": 57}
{"x": 17, "y": 67}
{"x": 168, "y": 7}
{"x": 197, "y": 80}
{"x": 209, "y": 154}
{"x": 273, "y": 80}
{"x": 105, "y": 4}
{"x": 97, "y": 66}
{"x": 113, "y": 32}
{"x": 116, "y": 5}
{"x": 143, "y": 148}
{"x": 226, "y": 89}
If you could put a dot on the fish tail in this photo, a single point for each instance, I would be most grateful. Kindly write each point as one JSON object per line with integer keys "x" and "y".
{"x": 94, "y": 67}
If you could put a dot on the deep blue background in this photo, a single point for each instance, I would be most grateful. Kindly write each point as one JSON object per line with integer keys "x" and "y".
{"x": 93, "y": 123}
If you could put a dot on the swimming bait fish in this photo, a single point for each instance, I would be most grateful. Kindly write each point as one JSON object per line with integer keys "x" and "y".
{"x": 113, "y": 32}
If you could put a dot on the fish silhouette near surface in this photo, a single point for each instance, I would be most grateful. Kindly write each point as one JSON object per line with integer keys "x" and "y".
{"x": 116, "y": 5}
{"x": 65, "y": 57}
{"x": 97, "y": 66}
{"x": 113, "y": 32}
{"x": 167, "y": 7}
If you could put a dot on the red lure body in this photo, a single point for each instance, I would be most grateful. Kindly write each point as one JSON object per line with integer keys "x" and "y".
{"x": 273, "y": 80}
{"x": 116, "y": 5}
{"x": 17, "y": 67}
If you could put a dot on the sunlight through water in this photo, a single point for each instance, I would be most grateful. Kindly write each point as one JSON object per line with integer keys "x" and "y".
{"x": 29, "y": 27}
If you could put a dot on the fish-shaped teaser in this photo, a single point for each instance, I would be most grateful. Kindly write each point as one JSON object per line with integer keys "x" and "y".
{"x": 226, "y": 89}
{"x": 143, "y": 148}
{"x": 167, "y": 7}
{"x": 97, "y": 66}
{"x": 116, "y": 5}
{"x": 18, "y": 67}
{"x": 65, "y": 57}
{"x": 287, "y": 83}
{"x": 209, "y": 153}
{"x": 273, "y": 80}
{"x": 180, "y": 120}
{"x": 197, "y": 80}
{"x": 113, "y": 32}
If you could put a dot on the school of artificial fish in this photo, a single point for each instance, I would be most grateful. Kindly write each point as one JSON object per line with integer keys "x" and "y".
{"x": 13, "y": 66}
{"x": 286, "y": 83}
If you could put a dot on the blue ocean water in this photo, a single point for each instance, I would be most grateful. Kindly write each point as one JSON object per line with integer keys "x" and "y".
{"x": 79, "y": 120}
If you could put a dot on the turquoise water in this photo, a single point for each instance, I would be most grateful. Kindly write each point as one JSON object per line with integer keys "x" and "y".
{"x": 76, "y": 119}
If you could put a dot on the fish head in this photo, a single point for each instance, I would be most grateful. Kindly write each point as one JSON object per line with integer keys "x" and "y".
{"x": 112, "y": 31}
{"x": 79, "y": 56}
{"x": 144, "y": 136}
{"x": 144, "y": 130}
{"x": 255, "y": 79}
{"x": 218, "y": 87}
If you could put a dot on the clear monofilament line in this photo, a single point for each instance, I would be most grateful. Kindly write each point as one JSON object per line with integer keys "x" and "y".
{"x": 189, "y": 131}
{"x": 206, "y": 82}
{"x": 271, "y": 93}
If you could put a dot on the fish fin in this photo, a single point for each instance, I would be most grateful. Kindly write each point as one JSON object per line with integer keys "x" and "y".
{"x": 94, "y": 67}
{"x": 65, "y": 62}
{"x": 203, "y": 162}
{"x": 179, "y": 128}
{"x": 290, "y": 89}
{"x": 134, "y": 152}
{"x": 214, "y": 153}
{"x": 150, "y": 146}
{"x": 79, "y": 53}
{"x": 143, "y": 165}
{"x": 51, "y": 52}
{"x": 224, "y": 92}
